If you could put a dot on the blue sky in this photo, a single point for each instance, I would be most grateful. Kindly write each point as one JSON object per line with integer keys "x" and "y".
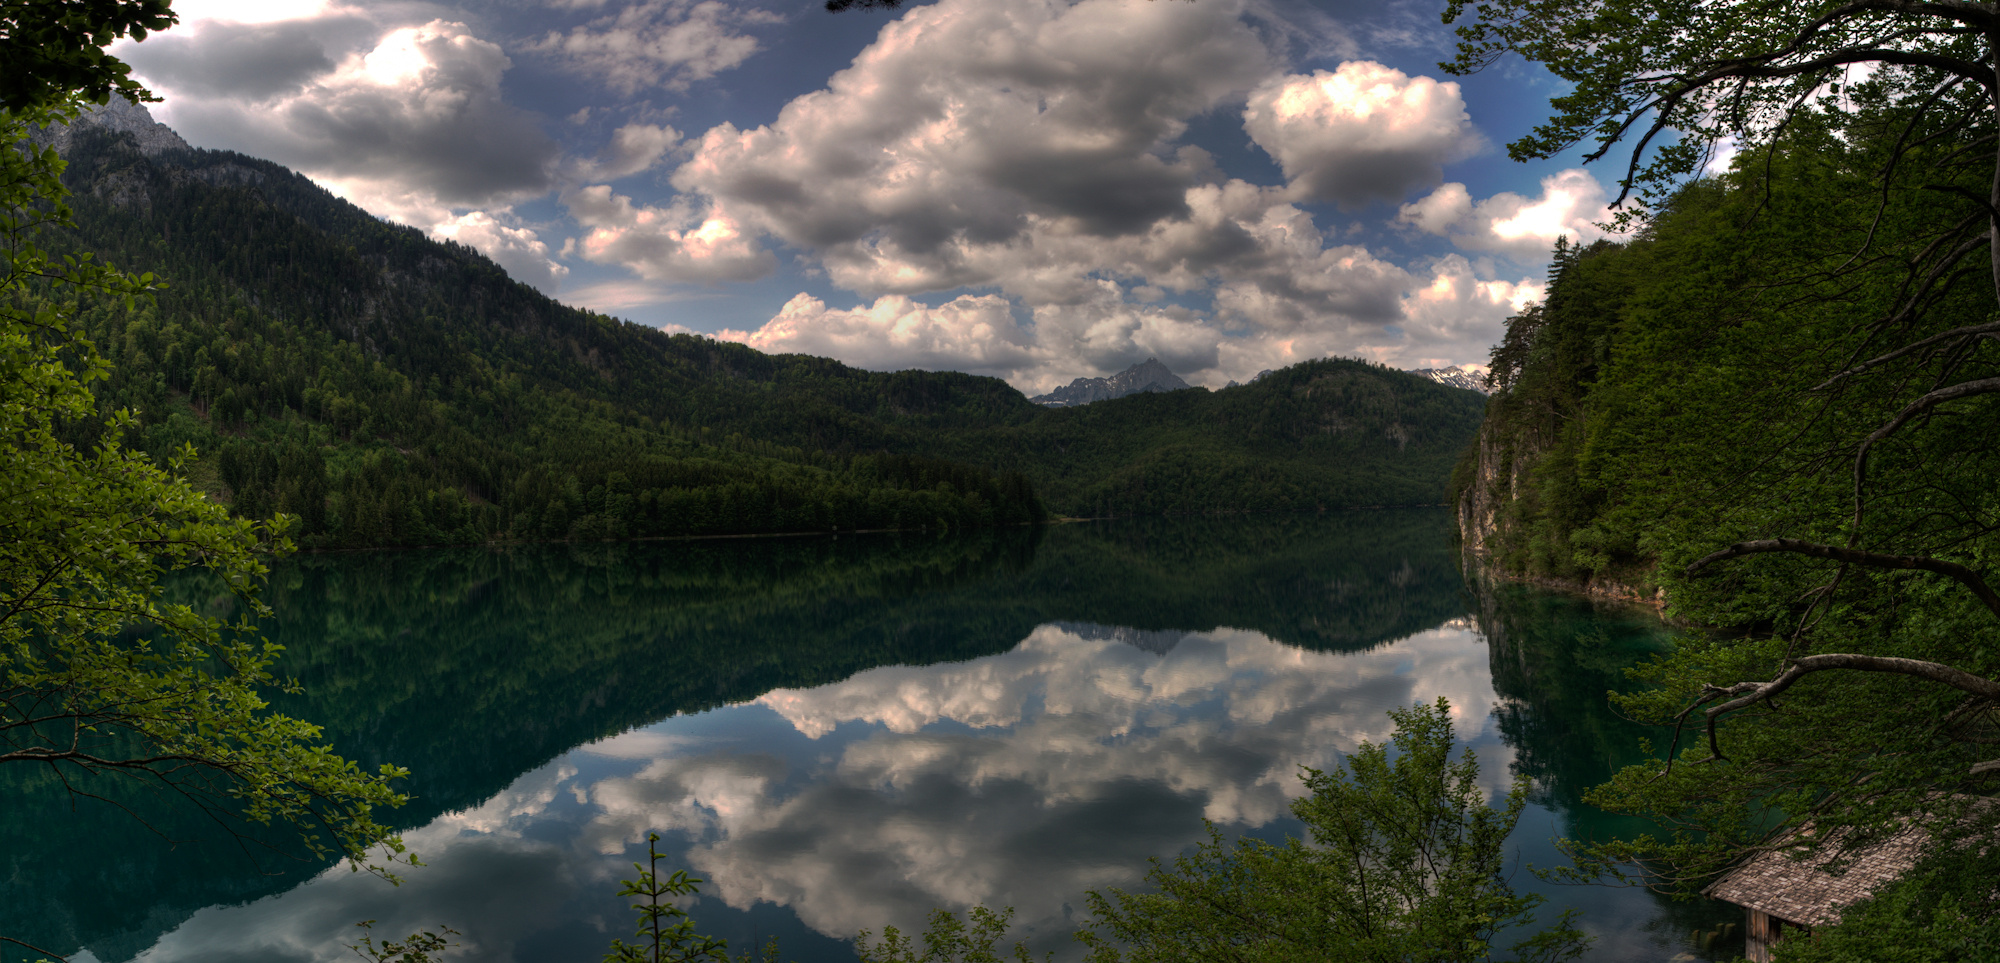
{"x": 1033, "y": 189}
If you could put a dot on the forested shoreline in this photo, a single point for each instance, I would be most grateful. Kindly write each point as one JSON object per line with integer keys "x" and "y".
{"x": 1757, "y": 409}
{"x": 385, "y": 389}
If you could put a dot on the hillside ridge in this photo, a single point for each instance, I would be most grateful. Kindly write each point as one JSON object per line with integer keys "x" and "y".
{"x": 388, "y": 388}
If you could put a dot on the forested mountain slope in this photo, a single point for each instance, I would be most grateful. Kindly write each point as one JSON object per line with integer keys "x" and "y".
{"x": 389, "y": 389}
{"x": 1778, "y": 406}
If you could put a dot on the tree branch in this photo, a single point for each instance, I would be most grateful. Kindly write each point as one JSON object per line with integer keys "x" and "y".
{"x": 1915, "y": 408}
{"x": 1750, "y": 693}
{"x": 1965, "y": 576}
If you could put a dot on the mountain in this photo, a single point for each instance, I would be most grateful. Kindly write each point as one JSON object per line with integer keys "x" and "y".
{"x": 389, "y": 389}
{"x": 1471, "y": 377}
{"x": 116, "y": 116}
{"x": 1149, "y": 375}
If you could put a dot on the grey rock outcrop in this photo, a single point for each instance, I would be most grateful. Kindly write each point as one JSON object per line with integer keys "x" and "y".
{"x": 123, "y": 116}
{"x": 1150, "y": 375}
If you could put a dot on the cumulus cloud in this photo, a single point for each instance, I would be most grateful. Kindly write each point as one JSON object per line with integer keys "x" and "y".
{"x": 1362, "y": 132}
{"x": 407, "y": 126}
{"x": 1280, "y": 294}
{"x": 633, "y": 148}
{"x": 658, "y": 43}
{"x": 265, "y": 59}
{"x": 970, "y": 126}
{"x": 1030, "y": 148}
{"x": 514, "y": 247}
{"x": 968, "y": 333}
{"x": 408, "y": 122}
{"x": 1458, "y": 315}
{"x": 674, "y": 243}
{"x": 1572, "y": 203}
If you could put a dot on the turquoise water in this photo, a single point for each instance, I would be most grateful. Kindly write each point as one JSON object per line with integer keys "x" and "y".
{"x": 839, "y": 734}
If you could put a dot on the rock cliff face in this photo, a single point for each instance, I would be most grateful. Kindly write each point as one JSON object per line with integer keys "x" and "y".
{"x": 153, "y": 137}
{"x": 1503, "y": 456}
{"x": 1148, "y": 376}
{"x": 1479, "y": 502}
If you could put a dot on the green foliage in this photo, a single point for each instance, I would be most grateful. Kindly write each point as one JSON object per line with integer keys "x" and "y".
{"x": 666, "y": 932}
{"x": 1716, "y": 382}
{"x": 55, "y": 49}
{"x": 1405, "y": 862}
{"x": 1671, "y": 83}
{"x": 418, "y": 947}
{"x": 103, "y": 675}
{"x": 1940, "y": 912}
{"x": 947, "y": 939}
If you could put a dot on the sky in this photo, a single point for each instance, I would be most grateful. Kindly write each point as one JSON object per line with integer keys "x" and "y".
{"x": 1037, "y": 190}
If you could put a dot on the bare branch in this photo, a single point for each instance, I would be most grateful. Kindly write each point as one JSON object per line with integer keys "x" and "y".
{"x": 1969, "y": 331}
{"x": 1965, "y": 576}
{"x": 1750, "y": 693}
{"x": 1915, "y": 408}
{"x": 32, "y": 948}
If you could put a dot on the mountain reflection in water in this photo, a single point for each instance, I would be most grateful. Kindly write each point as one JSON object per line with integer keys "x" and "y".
{"x": 842, "y": 734}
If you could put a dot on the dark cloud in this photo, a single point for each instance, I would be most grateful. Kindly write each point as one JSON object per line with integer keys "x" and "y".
{"x": 414, "y": 125}
{"x": 1107, "y": 196}
{"x": 249, "y": 61}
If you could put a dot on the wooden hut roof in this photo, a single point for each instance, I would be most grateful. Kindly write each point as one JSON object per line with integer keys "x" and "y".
{"x": 1806, "y": 891}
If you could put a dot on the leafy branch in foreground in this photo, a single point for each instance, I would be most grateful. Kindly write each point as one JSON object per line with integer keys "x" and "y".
{"x": 666, "y": 932}
{"x": 415, "y": 948}
{"x": 1787, "y": 417}
{"x": 101, "y": 676}
{"x": 1405, "y": 862}
{"x": 947, "y": 939}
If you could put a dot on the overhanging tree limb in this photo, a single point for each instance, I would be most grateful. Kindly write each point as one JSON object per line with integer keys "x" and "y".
{"x": 1965, "y": 576}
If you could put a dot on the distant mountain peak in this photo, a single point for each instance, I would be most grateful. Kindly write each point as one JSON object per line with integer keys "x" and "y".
{"x": 1148, "y": 375}
{"x": 122, "y": 116}
{"x": 1471, "y": 377}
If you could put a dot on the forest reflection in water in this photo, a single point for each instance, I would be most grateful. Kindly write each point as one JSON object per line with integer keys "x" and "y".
{"x": 843, "y": 733}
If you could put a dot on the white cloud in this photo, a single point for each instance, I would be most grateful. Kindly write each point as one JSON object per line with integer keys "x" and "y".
{"x": 412, "y": 120}
{"x": 1362, "y": 132}
{"x": 1572, "y": 203}
{"x": 513, "y": 247}
{"x": 406, "y": 122}
{"x": 624, "y": 295}
{"x": 973, "y": 126}
{"x": 969, "y": 333}
{"x": 1280, "y": 296}
{"x": 658, "y": 43}
{"x": 1458, "y": 315}
{"x": 247, "y": 11}
{"x": 1029, "y": 147}
{"x": 633, "y": 148}
{"x": 673, "y": 243}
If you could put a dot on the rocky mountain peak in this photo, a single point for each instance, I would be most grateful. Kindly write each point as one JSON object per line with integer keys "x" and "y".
{"x": 1148, "y": 375}
{"x": 119, "y": 115}
{"x": 1471, "y": 377}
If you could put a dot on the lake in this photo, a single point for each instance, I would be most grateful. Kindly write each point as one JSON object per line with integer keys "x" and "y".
{"x": 842, "y": 733}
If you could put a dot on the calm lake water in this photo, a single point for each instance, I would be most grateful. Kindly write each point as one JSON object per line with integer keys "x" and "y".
{"x": 842, "y": 733}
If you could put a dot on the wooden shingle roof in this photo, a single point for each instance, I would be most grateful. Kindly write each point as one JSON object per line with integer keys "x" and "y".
{"x": 1805, "y": 891}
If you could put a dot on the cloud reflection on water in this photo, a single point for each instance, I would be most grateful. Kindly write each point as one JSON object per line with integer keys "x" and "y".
{"x": 1024, "y": 779}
